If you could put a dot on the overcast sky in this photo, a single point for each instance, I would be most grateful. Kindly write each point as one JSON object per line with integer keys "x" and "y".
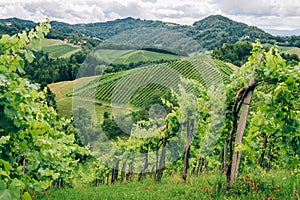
{"x": 266, "y": 14}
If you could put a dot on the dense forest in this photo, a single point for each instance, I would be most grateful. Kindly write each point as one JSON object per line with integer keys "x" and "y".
{"x": 239, "y": 53}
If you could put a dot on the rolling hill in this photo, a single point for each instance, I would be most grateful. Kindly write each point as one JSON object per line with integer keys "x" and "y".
{"x": 137, "y": 86}
{"x": 58, "y": 49}
{"x": 127, "y": 57}
{"x": 291, "y": 50}
{"x": 209, "y": 32}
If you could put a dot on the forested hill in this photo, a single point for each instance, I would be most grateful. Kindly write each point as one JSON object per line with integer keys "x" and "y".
{"x": 210, "y": 32}
{"x": 216, "y": 30}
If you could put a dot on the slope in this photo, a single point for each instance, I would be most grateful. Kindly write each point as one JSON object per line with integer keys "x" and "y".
{"x": 139, "y": 85}
{"x": 210, "y": 32}
{"x": 59, "y": 49}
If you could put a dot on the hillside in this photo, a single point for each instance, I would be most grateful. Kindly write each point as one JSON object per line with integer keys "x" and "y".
{"x": 290, "y": 50}
{"x": 210, "y": 32}
{"x": 127, "y": 57}
{"x": 137, "y": 86}
{"x": 59, "y": 49}
{"x": 216, "y": 30}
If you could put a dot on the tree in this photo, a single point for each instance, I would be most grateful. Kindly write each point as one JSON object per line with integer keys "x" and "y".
{"x": 268, "y": 73}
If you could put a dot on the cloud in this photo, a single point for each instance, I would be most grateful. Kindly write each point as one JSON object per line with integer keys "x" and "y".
{"x": 262, "y": 13}
{"x": 259, "y": 7}
{"x": 151, "y": 1}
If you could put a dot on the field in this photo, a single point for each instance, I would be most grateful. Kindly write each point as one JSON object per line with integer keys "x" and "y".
{"x": 293, "y": 50}
{"x": 125, "y": 57}
{"x": 206, "y": 186}
{"x": 65, "y": 102}
{"x": 287, "y": 49}
{"x": 144, "y": 56}
{"x": 58, "y": 49}
{"x": 138, "y": 85}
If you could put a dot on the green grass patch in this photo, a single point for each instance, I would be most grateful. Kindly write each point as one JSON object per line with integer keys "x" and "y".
{"x": 294, "y": 50}
{"x": 144, "y": 56}
{"x": 125, "y": 57}
{"x": 272, "y": 185}
{"x": 50, "y": 42}
{"x": 57, "y": 51}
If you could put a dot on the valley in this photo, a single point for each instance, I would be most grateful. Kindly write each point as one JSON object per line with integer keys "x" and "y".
{"x": 143, "y": 109}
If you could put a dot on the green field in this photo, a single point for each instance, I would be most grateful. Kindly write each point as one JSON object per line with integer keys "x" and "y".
{"x": 125, "y": 57}
{"x": 64, "y": 102}
{"x": 206, "y": 186}
{"x": 132, "y": 84}
{"x": 293, "y": 50}
{"x": 50, "y": 42}
{"x": 144, "y": 83}
{"x": 57, "y": 48}
{"x": 144, "y": 56}
{"x": 287, "y": 49}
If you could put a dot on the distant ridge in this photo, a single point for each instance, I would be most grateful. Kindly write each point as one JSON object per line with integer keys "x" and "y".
{"x": 277, "y": 32}
{"x": 210, "y": 32}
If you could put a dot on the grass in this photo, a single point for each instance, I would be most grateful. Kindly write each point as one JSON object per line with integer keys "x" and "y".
{"x": 126, "y": 57}
{"x": 51, "y": 42}
{"x": 287, "y": 49}
{"x": 65, "y": 102}
{"x": 290, "y": 50}
{"x": 294, "y": 50}
{"x": 58, "y": 49}
{"x": 144, "y": 56}
{"x": 67, "y": 55}
{"x": 272, "y": 185}
{"x": 61, "y": 91}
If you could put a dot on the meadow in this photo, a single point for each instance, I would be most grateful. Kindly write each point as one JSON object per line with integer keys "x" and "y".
{"x": 256, "y": 185}
{"x": 58, "y": 49}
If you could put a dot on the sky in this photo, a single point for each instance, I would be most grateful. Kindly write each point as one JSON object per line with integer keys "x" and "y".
{"x": 266, "y": 14}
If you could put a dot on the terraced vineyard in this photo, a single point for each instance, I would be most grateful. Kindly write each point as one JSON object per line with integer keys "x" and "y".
{"x": 139, "y": 85}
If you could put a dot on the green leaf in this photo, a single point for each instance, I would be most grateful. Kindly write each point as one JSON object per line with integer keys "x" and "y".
{"x": 4, "y": 139}
{"x": 14, "y": 192}
{"x": 21, "y": 67}
{"x": 2, "y": 185}
{"x": 23, "y": 146}
{"x": 5, "y": 39}
{"x": 26, "y": 196}
{"x": 5, "y": 195}
{"x": 17, "y": 184}
{"x": 10, "y": 112}
{"x": 4, "y": 173}
{"x": 6, "y": 165}
{"x": 29, "y": 56}
{"x": 35, "y": 44}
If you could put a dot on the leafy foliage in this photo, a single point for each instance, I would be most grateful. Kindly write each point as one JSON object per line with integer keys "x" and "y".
{"x": 238, "y": 54}
{"x": 273, "y": 121}
{"x": 36, "y": 149}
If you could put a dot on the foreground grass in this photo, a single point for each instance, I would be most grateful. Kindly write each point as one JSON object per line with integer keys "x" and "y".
{"x": 279, "y": 185}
